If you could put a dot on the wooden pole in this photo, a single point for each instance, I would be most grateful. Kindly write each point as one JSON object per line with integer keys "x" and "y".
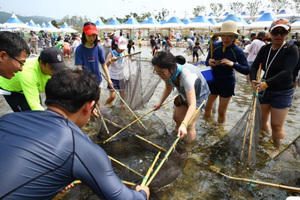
{"x": 150, "y": 170}
{"x": 253, "y": 115}
{"x": 134, "y": 122}
{"x": 137, "y": 136}
{"x": 130, "y": 169}
{"x": 171, "y": 149}
{"x": 126, "y": 104}
{"x": 102, "y": 119}
{"x": 295, "y": 189}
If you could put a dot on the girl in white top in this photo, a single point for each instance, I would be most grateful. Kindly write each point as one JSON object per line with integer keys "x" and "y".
{"x": 254, "y": 47}
{"x": 115, "y": 64}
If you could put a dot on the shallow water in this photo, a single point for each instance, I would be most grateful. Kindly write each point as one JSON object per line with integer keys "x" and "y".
{"x": 197, "y": 181}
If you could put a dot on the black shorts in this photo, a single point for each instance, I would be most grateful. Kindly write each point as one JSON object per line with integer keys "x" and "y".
{"x": 222, "y": 89}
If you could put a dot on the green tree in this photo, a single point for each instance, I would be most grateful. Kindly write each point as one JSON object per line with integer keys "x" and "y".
{"x": 198, "y": 10}
{"x": 54, "y": 23}
{"x": 296, "y": 7}
{"x": 236, "y": 7}
{"x": 103, "y": 20}
{"x": 277, "y": 5}
{"x": 217, "y": 8}
{"x": 253, "y": 7}
{"x": 162, "y": 14}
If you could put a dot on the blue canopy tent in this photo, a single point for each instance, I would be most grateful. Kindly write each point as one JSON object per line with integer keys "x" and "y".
{"x": 15, "y": 22}
{"x": 200, "y": 22}
{"x": 264, "y": 21}
{"x": 112, "y": 25}
{"x": 99, "y": 23}
{"x": 67, "y": 29}
{"x": 131, "y": 24}
{"x": 186, "y": 21}
{"x": 33, "y": 26}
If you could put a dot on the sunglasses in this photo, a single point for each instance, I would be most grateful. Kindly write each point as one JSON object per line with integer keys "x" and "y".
{"x": 19, "y": 61}
{"x": 277, "y": 32}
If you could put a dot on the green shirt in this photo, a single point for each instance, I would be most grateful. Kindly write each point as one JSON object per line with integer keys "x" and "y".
{"x": 30, "y": 82}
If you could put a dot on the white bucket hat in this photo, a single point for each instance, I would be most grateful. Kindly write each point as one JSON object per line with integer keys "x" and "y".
{"x": 228, "y": 27}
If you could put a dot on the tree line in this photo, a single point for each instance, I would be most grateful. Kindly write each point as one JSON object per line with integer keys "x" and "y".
{"x": 251, "y": 7}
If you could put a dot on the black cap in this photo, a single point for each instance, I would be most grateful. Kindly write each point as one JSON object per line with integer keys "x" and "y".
{"x": 53, "y": 57}
{"x": 151, "y": 36}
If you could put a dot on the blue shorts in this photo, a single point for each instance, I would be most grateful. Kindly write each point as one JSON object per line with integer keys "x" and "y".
{"x": 119, "y": 85}
{"x": 177, "y": 40}
{"x": 278, "y": 99}
{"x": 222, "y": 89}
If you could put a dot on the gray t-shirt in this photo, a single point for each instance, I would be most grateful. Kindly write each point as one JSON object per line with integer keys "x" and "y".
{"x": 191, "y": 76}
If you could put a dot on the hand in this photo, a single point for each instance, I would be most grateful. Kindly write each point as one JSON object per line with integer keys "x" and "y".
{"x": 146, "y": 189}
{"x": 110, "y": 83}
{"x": 67, "y": 188}
{"x": 211, "y": 62}
{"x": 113, "y": 59}
{"x": 225, "y": 61}
{"x": 157, "y": 106}
{"x": 182, "y": 131}
{"x": 95, "y": 113}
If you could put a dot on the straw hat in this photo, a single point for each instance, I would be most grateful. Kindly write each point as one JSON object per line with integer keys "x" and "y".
{"x": 228, "y": 27}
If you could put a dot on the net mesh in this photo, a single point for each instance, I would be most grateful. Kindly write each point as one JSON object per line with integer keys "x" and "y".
{"x": 239, "y": 140}
{"x": 140, "y": 81}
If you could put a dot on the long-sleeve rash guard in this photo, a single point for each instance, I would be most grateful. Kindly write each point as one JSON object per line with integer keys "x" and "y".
{"x": 280, "y": 72}
{"x": 42, "y": 152}
{"x": 30, "y": 81}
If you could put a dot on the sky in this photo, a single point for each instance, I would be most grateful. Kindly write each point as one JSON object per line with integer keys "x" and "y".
{"x": 93, "y": 9}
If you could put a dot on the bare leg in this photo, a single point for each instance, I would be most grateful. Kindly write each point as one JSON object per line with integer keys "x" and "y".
{"x": 223, "y": 109}
{"x": 179, "y": 114}
{"x": 112, "y": 96}
{"x": 209, "y": 105}
{"x": 277, "y": 123}
{"x": 265, "y": 113}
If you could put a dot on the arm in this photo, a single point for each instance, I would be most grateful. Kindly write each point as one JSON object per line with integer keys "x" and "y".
{"x": 191, "y": 99}
{"x": 241, "y": 64}
{"x": 290, "y": 62}
{"x": 78, "y": 58}
{"x": 97, "y": 173}
{"x": 165, "y": 94}
{"x": 28, "y": 83}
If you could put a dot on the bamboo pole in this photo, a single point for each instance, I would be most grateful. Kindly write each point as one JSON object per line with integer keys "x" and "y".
{"x": 129, "y": 54}
{"x": 134, "y": 122}
{"x": 253, "y": 115}
{"x": 211, "y": 48}
{"x": 162, "y": 161}
{"x": 126, "y": 104}
{"x": 102, "y": 119}
{"x": 171, "y": 149}
{"x": 285, "y": 148}
{"x": 247, "y": 128}
{"x": 295, "y": 189}
{"x": 150, "y": 170}
{"x": 138, "y": 136}
{"x": 130, "y": 169}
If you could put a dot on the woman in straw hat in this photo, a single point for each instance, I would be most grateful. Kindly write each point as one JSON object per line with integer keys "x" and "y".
{"x": 278, "y": 59}
{"x": 224, "y": 58}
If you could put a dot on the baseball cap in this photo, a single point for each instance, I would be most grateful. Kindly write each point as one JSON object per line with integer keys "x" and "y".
{"x": 90, "y": 29}
{"x": 53, "y": 57}
{"x": 284, "y": 23}
{"x": 121, "y": 42}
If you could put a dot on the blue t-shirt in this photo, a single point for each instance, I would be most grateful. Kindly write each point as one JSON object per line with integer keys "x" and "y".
{"x": 42, "y": 152}
{"x": 89, "y": 58}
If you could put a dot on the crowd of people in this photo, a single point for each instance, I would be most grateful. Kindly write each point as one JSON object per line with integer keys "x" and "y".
{"x": 47, "y": 147}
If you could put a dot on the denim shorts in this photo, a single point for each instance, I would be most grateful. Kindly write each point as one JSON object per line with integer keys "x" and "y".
{"x": 278, "y": 99}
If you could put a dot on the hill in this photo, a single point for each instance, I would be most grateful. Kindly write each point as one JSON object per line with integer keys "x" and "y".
{"x": 4, "y": 16}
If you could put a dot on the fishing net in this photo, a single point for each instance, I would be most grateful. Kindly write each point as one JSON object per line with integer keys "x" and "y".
{"x": 139, "y": 153}
{"x": 241, "y": 142}
{"x": 141, "y": 82}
